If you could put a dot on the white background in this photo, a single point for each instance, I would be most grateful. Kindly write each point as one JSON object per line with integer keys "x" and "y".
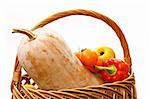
{"x": 79, "y": 32}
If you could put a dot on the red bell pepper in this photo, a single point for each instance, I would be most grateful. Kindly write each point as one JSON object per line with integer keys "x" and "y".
{"x": 114, "y": 70}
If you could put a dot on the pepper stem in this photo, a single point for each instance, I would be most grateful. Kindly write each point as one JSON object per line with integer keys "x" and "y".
{"x": 110, "y": 69}
{"x": 29, "y": 33}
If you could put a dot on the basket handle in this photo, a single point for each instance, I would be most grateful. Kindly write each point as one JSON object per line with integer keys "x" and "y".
{"x": 94, "y": 14}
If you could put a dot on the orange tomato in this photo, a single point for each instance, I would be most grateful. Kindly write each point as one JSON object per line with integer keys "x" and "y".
{"x": 99, "y": 62}
{"x": 89, "y": 57}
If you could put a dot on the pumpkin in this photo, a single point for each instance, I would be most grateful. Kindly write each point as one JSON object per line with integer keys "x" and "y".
{"x": 50, "y": 63}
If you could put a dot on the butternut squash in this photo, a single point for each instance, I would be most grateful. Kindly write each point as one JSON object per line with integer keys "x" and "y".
{"x": 50, "y": 63}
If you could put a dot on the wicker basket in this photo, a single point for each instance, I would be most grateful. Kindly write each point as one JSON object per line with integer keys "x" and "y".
{"x": 118, "y": 90}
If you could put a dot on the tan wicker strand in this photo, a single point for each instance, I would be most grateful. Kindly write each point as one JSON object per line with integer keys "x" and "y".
{"x": 120, "y": 86}
{"x": 16, "y": 75}
{"x": 118, "y": 90}
{"x": 79, "y": 94}
{"x": 27, "y": 93}
{"x": 66, "y": 94}
{"x": 50, "y": 94}
{"x": 37, "y": 94}
{"x": 105, "y": 88}
{"x": 96, "y": 92}
{"x": 17, "y": 94}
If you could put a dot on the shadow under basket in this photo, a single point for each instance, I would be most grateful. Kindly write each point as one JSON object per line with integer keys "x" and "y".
{"x": 117, "y": 90}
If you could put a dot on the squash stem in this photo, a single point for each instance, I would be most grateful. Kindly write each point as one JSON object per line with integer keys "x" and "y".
{"x": 29, "y": 33}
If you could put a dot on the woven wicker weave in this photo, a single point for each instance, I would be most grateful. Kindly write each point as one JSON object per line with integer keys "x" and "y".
{"x": 118, "y": 90}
